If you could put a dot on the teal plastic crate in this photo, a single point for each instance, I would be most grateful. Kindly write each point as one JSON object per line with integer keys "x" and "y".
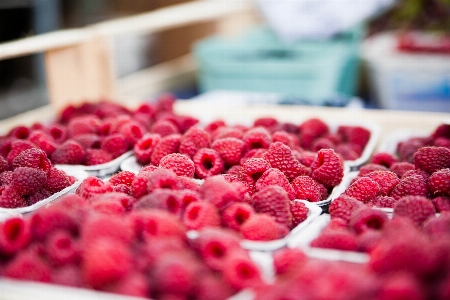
{"x": 311, "y": 70}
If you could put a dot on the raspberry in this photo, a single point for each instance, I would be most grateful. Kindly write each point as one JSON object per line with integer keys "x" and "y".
{"x": 96, "y": 157}
{"x": 343, "y": 207}
{"x": 213, "y": 287}
{"x": 193, "y": 140}
{"x": 215, "y": 125}
{"x": 432, "y": 159}
{"x": 368, "y": 240}
{"x": 27, "y": 265}
{"x": 284, "y": 137}
{"x": 252, "y": 169}
{"x": 56, "y": 181}
{"x": 383, "y": 158}
{"x": 234, "y": 171}
{"x": 254, "y": 153}
{"x": 162, "y": 179}
{"x": 386, "y": 180}
{"x": 115, "y": 145}
{"x": 43, "y": 141}
{"x": 134, "y": 284}
{"x": 443, "y": 130}
{"x": 299, "y": 212}
{"x": 207, "y": 163}
{"x": 439, "y": 182}
{"x": 61, "y": 248}
{"x": 310, "y": 130}
{"x": 45, "y": 221}
{"x": 267, "y": 122}
{"x": 162, "y": 199}
{"x": 236, "y": 214}
{"x": 219, "y": 192}
{"x": 364, "y": 189}
{"x": 442, "y": 142}
{"x": 93, "y": 186}
{"x": 281, "y": 157}
{"x": 68, "y": 275}
{"x": 287, "y": 260}
{"x": 322, "y": 143}
{"x": 17, "y": 147}
{"x": 181, "y": 164}
{"x": 328, "y": 168}
{"x": 113, "y": 203}
{"x": 88, "y": 140}
{"x": 168, "y": 144}
{"x": 33, "y": 158}
{"x": 417, "y": 208}
{"x": 419, "y": 172}
{"x": 441, "y": 203}
{"x": 27, "y": 181}
{"x": 58, "y": 132}
{"x": 156, "y": 223}
{"x": 227, "y": 132}
{"x": 215, "y": 244}
{"x": 273, "y": 200}
{"x": 336, "y": 239}
{"x": 99, "y": 226}
{"x": 437, "y": 227}
{"x": 275, "y": 177}
{"x": 143, "y": 148}
{"x": 132, "y": 132}
{"x": 230, "y": 149}
{"x": 306, "y": 157}
{"x": 70, "y": 152}
{"x": 308, "y": 189}
{"x": 371, "y": 167}
{"x": 184, "y": 123}
{"x": 407, "y": 149}
{"x": 122, "y": 188}
{"x": 38, "y": 196}
{"x": 164, "y": 128}
{"x": 15, "y": 235}
{"x": 123, "y": 177}
{"x": 201, "y": 214}
{"x": 19, "y": 132}
{"x": 187, "y": 196}
{"x": 139, "y": 184}
{"x": 257, "y": 137}
{"x": 355, "y": 135}
{"x": 106, "y": 261}
{"x": 260, "y": 227}
{"x": 383, "y": 202}
{"x": 411, "y": 185}
{"x": 4, "y": 166}
{"x": 401, "y": 285}
{"x": 189, "y": 184}
{"x": 400, "y": 168}
{"x": 347, "y": 151}
{"x": 241, "y": 272}
{"x": 82, "y": 125}
{"x": 366, "y": 219}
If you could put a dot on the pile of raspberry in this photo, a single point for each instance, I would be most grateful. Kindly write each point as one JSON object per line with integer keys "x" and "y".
{"x": 28, "y": 176}
{"x": 144, "y": 253}
{"x": 95, "y": 133}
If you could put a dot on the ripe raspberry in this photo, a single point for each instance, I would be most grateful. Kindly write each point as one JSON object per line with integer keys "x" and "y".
{"x": 347, "y": 151}
{"x": 82, "y": 125}
{"x": 27, "y": 181}
{"x": 443, "y": 130}
{"x": 386, "y": 180}
{"x": 201, "y": 214}
{"x": 442, "y": 142}
{"x": 181, "y": 164}
{"x": 15, "y": 235}
{"x": 193, "y": 140}
{"x": 70, "y": 152}
{"x": 371, "y": 167}
{"x": 38, "y": 196}
{"x": 219, "y": 192}
{"x": 366, "y": 219}
{"x": 441, "y": 203}
{"x": 336, "y": 239}
{"x": 273, "y": 200}
{"x": 187, "y": 196}
{"x": 157, "y": 223}
{"x": 213, "y": 287}
{"x": 432, "y": 159}
{"x": 287, "y": 260}
{"x": 299, "y": 212}
{"x": 411, "y": 185}
{"x": 215, "y": 125}
{"x": 123, "y": 177}
{"x": 184, "y": 122}
{"x": 417, "y": 208}
{"x": 33, "y": 158}
{"x": 322, "y": 143}
{"x": 106, "y": 261}
{"x": 226, "y": 132}
{"x": 56, "y": 181}
{"x": 132, "y": 132}
{"x": 93, "y": 186}
{"x": 305, "y": 157}
{"x": 383, "y": 158}
{"x": 164, "y": 128}
{"x": 236, "y": 214}
{"x": 285, "y": 138}
{"x": 58, "y": 132}
{"x": 401, "y": 168}
{"x": 162, "y": 179}
{"x": 215, "y": 244}
{"x": 43, "y": 141}
{"x": 437, "y": 226}
{"x": 252, "y": 169}
{"x": 281, "y": 157}
{"x": 241, "y": 272}
{"x": 328, "y": 168}
{"x": 28, "y": 265}
{"x": 419, "y": 172}
{"x": 188, "y": 183}
{"x": 122, "y": 188}
{"x": 401, "y": 285}
{"x": 88, "y": 140}
{"x": 234, "y": 171}
{"x": 275, "y": 177}
{"x": 139, "y": 184}
{"x": 368, "y": 240}
{"x": 168, "y": 144}
{"x": 267, "y": 122}
{"x": 61, "y": 248}
{"x": 260, "y": 227}
{"x": 343, "y": 207}
{"x": 383, "y": 202}
{"x": 207, "y": 163}
{"x": 308, "y": 189}
{"x": 257, "y": 137}
{"x": 162, "y": 199}
{"x": 230, "y": 149}
{"x": 407, "y": 149}
{"x": 112, "y": 203}
{"x": 133, "y": 284}
{"x": 254, "y": 153}
{"x": 115, "y": 145}
{"x": 17, "y": 147}
{"x": 355, "y": 135}
{"x": 19, "y": 132}
{"x": 4, "y": 166}
{"x": 143, "y": 148}
{"x": 310, "y": 130}
{"x": 439, "y": 182}
{"x": 100, "y": 226}
{"x": 364, "y": 189}
{"x": 96, "y": 157}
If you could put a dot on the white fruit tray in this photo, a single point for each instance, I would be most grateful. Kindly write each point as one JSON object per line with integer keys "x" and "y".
{"x": 79, "y": 174}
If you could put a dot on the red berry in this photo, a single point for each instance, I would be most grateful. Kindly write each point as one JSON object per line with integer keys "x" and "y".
{"x": 28, "y": 265}
{"x": 343, "y": 207}
{"x": 363, "y": 189}
{"x": 27, "y": 181}
{"x": 439, "y": 182}
{"x": 432, "y": 159}
{"x": 308, "y": 189}
{"x": 168, "y": 144}
{"x": 236, "y": 214}
{"x": 417, "y": 208}
{"x": 96, "y": 157}
{"x": 274, "y": 176}
{"x": 401, "y": 168}
{"x": 219, "y": 192}
{"x": 132, "y": 132}
{"x": 70, "y": 152}
{"x": 260, "y": 227}
{"x": 371, "y": 167}
{"x": 43, "y": 141}
{"x": 310, "y": 130}
{"x": 143, "y": 148}
{"x": 164, "y": 128}
{"x": 88, "y": 140}
{"x": 407, "y": 149}
{"x": 274, "y": 201}
{"x": 383, "y": 202}
{"x": 193, "y": 140}
{"x": 336, "y": 239}
{"x": 384, "y": 159}
{"x": 226, "y": 132}
{"x": 61, "y": 248}
{"x": 181, "y": 164}
{"x": 441, "y": 203}
{"x": 328, "y": 168}
{"x": 15, "y": 235}
{"x": 257, "y": 137}
{"x": 281, "y": 157}
{"x": 123, "y": 177}
{"x": 230, "y": 149}
{"x": 299, "y": 212}
{"x": 165, "y": 199}
{"x": 241, "y": 272}
{"x": 386, "y": 180}
{"x": 285, "y": 138}
{"x": 157, "y": 223}
{"x": 93, "y": 186}
{"x": 366, "y": 219}
{"x": 207, "y": 163}
{"x": 57, "y": 180}
{"x": 201, "y": 214}
{"x": 411, "y": 185}
{"x": 162, "y": 179}
{"x": 287, "y": 260}
{"x": 115, "y": 145}
{"x": 17, "y": 147}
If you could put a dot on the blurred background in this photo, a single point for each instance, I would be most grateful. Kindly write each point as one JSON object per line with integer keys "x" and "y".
{"x": 395, "y": 56}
